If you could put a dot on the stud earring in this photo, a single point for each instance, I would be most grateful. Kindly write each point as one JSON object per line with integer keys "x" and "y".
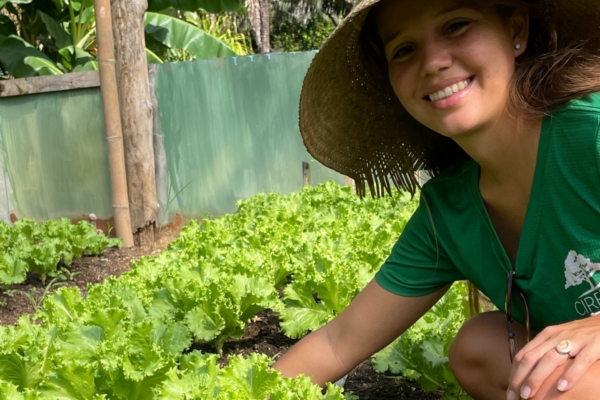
{"x": 517, "y": 46}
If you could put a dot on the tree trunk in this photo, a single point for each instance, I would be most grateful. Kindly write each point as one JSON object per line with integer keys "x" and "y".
{"x": 265, "y": 22}
{"x": 258, "y": 14}
{"x": 136, "y": 115}
{"x": 253, "y": 9}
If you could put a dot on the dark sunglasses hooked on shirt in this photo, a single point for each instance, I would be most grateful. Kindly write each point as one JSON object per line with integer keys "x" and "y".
{"x": 510, "y": 283}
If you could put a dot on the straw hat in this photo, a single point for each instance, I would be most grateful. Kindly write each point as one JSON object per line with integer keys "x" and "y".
{"x": 351, "y": 120}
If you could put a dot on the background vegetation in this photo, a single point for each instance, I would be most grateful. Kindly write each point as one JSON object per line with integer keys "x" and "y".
{"x": 304, "y": 25}
{"x": 52, "y": 37}
{"x": 41, "y": 37}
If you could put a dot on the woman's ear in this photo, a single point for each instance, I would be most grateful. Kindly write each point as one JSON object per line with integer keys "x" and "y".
{"x": 519, "y": 24}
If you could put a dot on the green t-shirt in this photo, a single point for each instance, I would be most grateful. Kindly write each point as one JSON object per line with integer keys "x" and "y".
{"x": 450, "y": 237}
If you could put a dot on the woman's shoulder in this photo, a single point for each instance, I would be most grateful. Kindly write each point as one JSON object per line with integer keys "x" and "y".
{"x": 577, "y": 121}
{"x": 588, "y": 104}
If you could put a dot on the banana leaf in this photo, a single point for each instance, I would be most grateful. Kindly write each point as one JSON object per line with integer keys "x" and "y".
{"x": 22, "y": 60}
{"x": 177, "y": 34}
{"x": 77, "y": 4}
{"x": 59, "y": 34}
{"x": 152, "y": 58}
{"x": 77, "y": 60}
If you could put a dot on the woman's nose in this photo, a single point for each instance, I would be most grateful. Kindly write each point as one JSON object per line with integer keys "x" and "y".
{"x": 435, "y": 57}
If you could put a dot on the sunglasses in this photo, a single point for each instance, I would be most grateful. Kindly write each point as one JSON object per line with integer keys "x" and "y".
{"x": 510, "y": 283}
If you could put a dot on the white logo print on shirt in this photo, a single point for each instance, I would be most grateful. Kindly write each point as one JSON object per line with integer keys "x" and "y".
{"x": 579, "y": 269}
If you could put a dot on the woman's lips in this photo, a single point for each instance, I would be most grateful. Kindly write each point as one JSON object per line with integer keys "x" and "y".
{"x": 452, "y": 100}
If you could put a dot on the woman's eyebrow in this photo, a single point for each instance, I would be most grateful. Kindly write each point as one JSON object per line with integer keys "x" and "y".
{"x": 399, "y": 32}
{"x": 451, "y": 9}
{"x": 391, "y": 37}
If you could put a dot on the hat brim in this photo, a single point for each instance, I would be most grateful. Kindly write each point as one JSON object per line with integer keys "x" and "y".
{"x": 351, "y": 120}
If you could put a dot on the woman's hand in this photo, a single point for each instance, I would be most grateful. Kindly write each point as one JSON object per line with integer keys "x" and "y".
{"x": 373, "y": 320}
{"x": 540, "y": 357}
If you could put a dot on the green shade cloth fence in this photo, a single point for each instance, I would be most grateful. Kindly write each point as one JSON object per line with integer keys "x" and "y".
{"x": 229, "y": 128}
{"x": 53, "y": 151}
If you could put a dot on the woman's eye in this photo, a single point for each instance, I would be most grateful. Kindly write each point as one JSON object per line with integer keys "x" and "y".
{"x": 403, "y": 52}
{"x": 457, "y": 26}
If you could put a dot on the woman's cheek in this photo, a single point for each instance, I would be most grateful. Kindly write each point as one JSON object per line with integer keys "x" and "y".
{"x": 397, "y": 75}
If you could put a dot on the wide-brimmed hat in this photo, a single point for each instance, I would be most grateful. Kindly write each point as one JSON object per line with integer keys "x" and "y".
{"x": 351, "y": 120}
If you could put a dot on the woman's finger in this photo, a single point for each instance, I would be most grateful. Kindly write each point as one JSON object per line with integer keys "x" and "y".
{"x": 581, "y": 364}
{"x": 542, "y": 369}
{"x": 526, "y": 360}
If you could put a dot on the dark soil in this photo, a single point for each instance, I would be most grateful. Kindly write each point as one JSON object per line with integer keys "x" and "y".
{"x": 263, "y": 334}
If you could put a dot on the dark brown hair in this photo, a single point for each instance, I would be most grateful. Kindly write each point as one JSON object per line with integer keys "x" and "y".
{"x": 553, "y": 69}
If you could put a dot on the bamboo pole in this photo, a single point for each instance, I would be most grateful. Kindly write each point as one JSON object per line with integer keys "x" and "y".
{"x": 112, "y": 118}
{"x": 136, "y": 116}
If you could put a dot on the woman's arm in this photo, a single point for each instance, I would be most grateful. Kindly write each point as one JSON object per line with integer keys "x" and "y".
{"x": 373, "y": 320}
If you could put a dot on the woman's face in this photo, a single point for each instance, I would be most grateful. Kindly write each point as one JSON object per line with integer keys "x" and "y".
{"x": 450, "y": 64}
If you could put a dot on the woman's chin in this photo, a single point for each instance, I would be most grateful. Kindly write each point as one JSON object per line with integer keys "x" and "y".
{"x": 454, "y": 131}
{"x": 457, "y": 125}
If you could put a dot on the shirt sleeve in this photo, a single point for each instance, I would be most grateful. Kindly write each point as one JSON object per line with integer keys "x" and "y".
{"x": 417, "y": 266}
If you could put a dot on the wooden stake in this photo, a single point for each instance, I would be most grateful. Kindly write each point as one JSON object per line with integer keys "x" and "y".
{"x": 305, "y": 173}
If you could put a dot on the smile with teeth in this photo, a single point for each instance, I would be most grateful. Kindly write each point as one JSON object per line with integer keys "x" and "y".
{"x": 449, "y": 91}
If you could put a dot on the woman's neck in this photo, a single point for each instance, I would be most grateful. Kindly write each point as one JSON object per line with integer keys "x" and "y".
{"x": 506, "y": 152}
{"x": 507, "y": 157}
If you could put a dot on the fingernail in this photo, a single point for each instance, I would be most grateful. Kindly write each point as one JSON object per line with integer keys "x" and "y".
{"x": 562, "y": 385}
{"x": 525, "y": 392}
{"x": 510, "y": 395}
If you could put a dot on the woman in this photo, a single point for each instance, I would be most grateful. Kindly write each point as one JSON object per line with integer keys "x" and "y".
{"x": 495, "y": 98}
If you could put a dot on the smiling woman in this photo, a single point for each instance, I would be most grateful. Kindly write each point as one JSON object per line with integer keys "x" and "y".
{"x": 498, "y": 100}
{"x": 441, "y": 45}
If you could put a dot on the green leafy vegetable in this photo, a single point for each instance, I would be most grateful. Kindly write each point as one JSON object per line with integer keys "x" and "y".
{"x": 305, "y": 255}
{"x": 29, "y": 246}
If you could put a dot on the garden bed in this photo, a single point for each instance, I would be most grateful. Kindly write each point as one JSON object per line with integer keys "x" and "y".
{"x": 263, "y": 334}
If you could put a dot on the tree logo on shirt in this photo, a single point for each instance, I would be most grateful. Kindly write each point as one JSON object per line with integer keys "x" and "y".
{"x": 579, "y": 269}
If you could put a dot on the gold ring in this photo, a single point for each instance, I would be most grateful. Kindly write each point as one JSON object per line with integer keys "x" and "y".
{"x": 564, "y": 347}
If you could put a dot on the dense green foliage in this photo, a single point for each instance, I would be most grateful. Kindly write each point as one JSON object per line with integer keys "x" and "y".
{"x": 118, "y": 352}
{"x": 130, "y": 337}
{"x": 53, "y": 37}
{"x": 29, "y": 246}
{"x": 289, "y": 33}
{"x": 212, "y": 6}
{"x": 220, "y": 274}
{"x": 42, "y": 37}
{"x": 304, "y": 25}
